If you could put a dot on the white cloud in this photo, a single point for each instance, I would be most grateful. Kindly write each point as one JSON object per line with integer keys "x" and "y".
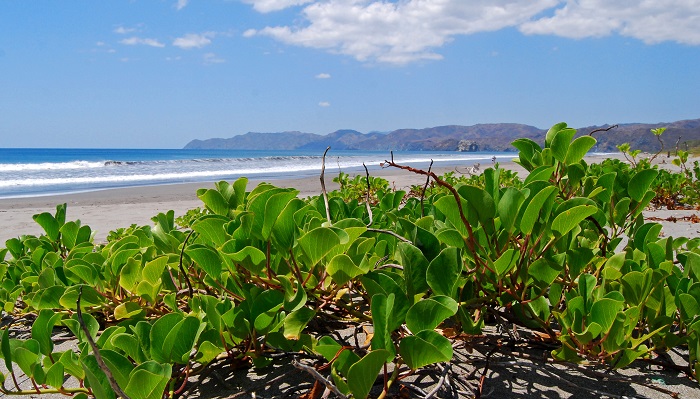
{"x": 133, "y": 41}
{"x": 211, "y": 58}
{"x": 649, "y": 21}
{"x": 400, "y": 32}
{"x": 275, "y": 5}
{"x": 181, "y": 4}
{"x": 123, "y": 31}
{"x": 323, "y": 76}
{"x": 194, "y": 40}
{"x": 324, "y": 104}
{"x": 403, "y": 31}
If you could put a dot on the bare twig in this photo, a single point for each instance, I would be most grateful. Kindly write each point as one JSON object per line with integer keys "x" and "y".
{"x": 425, "y": 187}
{"x": 96, "y": 350}
{"x": 391, "y": 233}
{"x": 602, "y": 129}
{"x": 182, "y": 269}
{"x": 440, "y": 383}
{"x": 318, "y": 377}
{"x": 323, "y": 185}
{"x": 369, "y": 209}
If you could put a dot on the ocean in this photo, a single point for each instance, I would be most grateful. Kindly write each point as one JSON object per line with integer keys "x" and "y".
{"x": 36, "y": 172}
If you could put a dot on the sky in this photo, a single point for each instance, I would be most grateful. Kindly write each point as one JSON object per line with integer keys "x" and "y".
{"x": 159, "y": 73}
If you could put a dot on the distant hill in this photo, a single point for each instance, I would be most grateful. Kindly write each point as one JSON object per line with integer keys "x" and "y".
{"x": 484, "y": 137}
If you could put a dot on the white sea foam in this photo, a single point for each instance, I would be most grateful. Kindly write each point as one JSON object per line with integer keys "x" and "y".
{"x": 21, "y": 167}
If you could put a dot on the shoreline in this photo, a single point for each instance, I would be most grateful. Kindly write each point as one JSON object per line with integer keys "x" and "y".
{"x": 109, "y": 209}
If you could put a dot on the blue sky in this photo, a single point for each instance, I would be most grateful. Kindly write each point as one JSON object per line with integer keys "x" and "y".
{"x": 159, "y": 73}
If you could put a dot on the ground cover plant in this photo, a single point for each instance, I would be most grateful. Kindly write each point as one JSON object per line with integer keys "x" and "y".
{"x": 258, "y": 272}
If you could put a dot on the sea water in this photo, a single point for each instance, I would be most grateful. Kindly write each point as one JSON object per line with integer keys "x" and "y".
{"x": 35, "y": 172}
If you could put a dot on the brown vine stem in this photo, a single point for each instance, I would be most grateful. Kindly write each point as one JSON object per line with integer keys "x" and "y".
{"x": 323, "y": 185}
{"x": 182, "y": 269}
{"x": 96, "y": 350}
{"x": 603, "y": 129}
{"x": 425, "y": 187}
{"x": 471, "y": 242}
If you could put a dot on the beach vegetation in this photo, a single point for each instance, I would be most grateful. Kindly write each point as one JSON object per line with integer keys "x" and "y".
{"x": 564, "y": 255}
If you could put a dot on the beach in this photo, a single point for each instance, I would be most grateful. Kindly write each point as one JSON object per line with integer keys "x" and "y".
{"x": 110, "y": 209}
{"x": 107, "y": 210}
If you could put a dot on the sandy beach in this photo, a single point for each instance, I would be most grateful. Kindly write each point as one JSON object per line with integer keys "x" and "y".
{"x": 107, "y": 210}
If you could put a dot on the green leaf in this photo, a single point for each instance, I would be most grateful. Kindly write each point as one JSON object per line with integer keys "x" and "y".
{"x": 509, "y": 206}
{"x": 482, "y": 203}
{"x": 180, "y": 340}
{"x": 426, "y": 347}
{"x": 128, "y": 310}
{"x": 118, "y": 365}
{"x": 382, "y": 307}
{"x": 544, "y": 272}
{"x": 443, "y": 272}
{"x": 640, "y": 183}
{"x": 552, "y": 132}
{"x": 428, "y": 313}
{"x": 342, "y": 269}
{"x": 532, "y": 211}
{"x": 273, "y": 209}
{"x": 578, "y": 149}
{"x": 604, "y": 311}
{"x": 688, "y": 306}
{"x": 415, "y": 267}
{"x": 317, "y": 243}
{"x": 560, "y": 143}
{"x": 296, "y": 321}
{"x": 506, "y": 262}
{"x": 148, "y": 380}
{"x": 158, "y": 334}
{"x": 364, "y": 373}
{"x": 49, "y": 224}
{"x": 207, "y": 258}
{"x": 567, "y": 220}
{"x": 99, "y": 384}
{"x": 42, "y": 329}
{"x": 214, "y": 201}
{"x": 211, "y": 227}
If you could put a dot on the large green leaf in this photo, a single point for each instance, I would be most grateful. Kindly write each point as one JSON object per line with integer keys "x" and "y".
{"x": 640, "y": 183}
{"x": 509, "y": 206}
{"x": 443, "y": 272}
{"x": 578, "y": 149}
{"x": 148, "y": 380}
{"x": 317, "y": 243}
{"x": 273, "y": 210}
{"x": 207, "y": 258}
{"x": 211, "y": 227}
{"x": 342, "y": 269}
{"x": 428, "y": 313}
{"x": 49, "y": 224}
{"x": 532, "y": 211}
{"x": 604, "y": 311}
{"x": 214, "y": 201}
{"x": 382, "y": 307}
{"x": 560, "y": 143}
{"x": 415, "y": 267}
{"x": 363, "y": 374}
{"x": 567, "y": 220}
{"x": 506, "y": 262}
{"x": 42, "y": 329}
{"x": 426, "y": 347}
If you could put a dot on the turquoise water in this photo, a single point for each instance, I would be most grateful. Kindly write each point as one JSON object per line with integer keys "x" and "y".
{"x": 35, "y": 172}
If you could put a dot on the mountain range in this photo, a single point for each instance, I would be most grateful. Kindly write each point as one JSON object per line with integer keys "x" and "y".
{"x": 481, "y": 137}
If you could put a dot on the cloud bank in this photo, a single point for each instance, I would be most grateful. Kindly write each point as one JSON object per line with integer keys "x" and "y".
{"x": 403, "y": 31}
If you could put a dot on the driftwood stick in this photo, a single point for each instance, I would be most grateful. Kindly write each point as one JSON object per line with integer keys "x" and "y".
{"x": 318, "y": 377}
{"x": 96, "y": 350}
{"x": 369, "y": 209}
{"x": 323, "y": 185}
